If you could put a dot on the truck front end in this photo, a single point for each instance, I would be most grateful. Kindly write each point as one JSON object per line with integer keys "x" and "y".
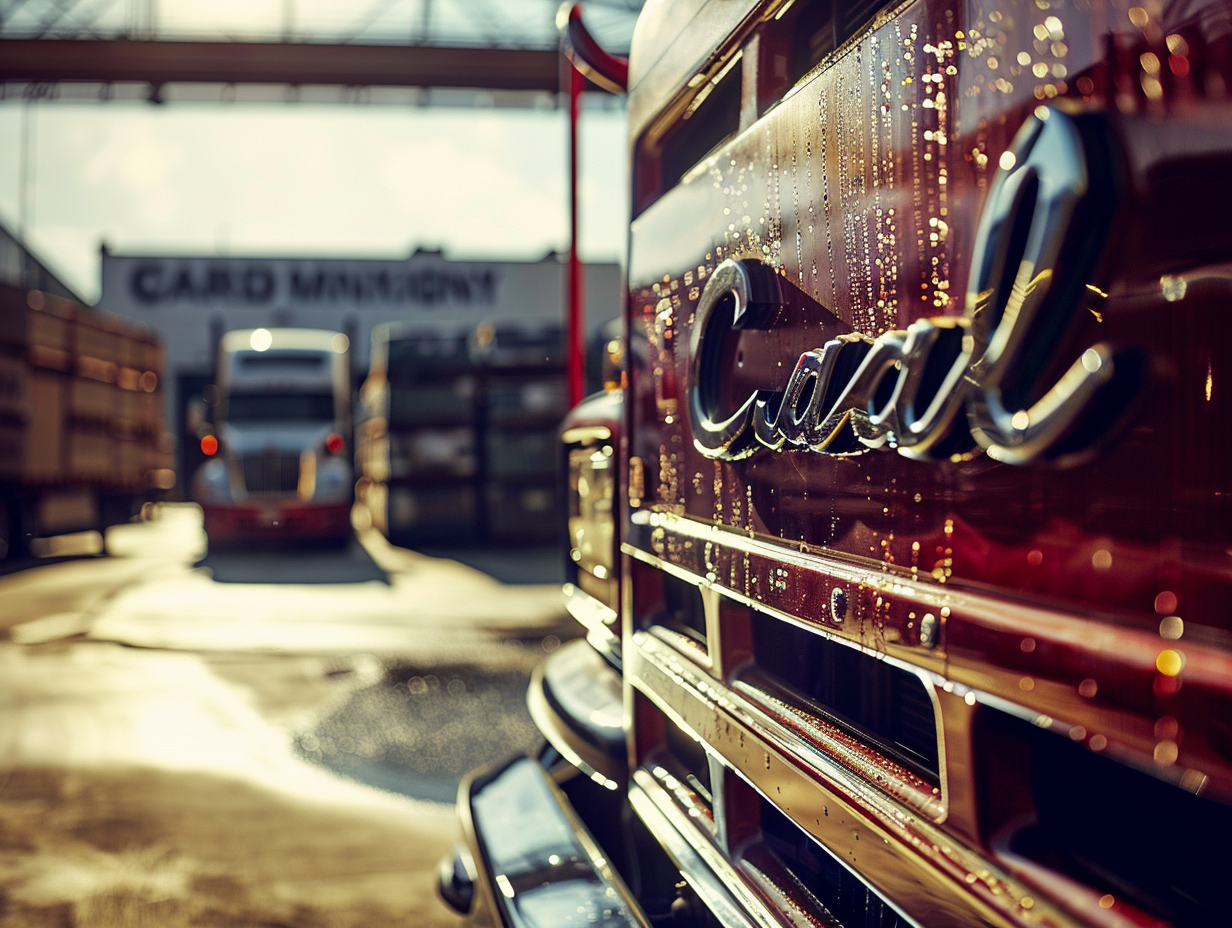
{"x": 921, "y": 613}
{"x": 278, "y": 459}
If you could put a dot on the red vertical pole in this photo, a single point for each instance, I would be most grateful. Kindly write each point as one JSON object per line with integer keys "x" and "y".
{"x": 575, "y": 327}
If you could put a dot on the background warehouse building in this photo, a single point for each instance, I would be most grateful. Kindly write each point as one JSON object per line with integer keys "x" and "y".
{"x": 191, "y": 301}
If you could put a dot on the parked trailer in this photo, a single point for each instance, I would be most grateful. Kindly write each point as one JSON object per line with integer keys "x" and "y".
{"x": 81, "y": 418}
{"x": 920, "y": 617}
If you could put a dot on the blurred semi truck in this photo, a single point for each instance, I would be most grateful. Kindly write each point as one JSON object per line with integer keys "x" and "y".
{"x": 81, "y": 419}
{"x": 278, "y": 463}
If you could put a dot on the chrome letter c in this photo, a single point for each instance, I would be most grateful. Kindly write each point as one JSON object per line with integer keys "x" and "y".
{"x": 738, "y": 295}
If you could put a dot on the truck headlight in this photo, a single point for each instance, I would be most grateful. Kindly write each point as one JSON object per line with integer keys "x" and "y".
{"x": 334, "y": 480}
{"x": 213, "y": 484}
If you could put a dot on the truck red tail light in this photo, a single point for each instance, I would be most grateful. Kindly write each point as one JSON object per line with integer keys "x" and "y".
{"x": 209, "y": 446}
{"x": 334, "y": 444}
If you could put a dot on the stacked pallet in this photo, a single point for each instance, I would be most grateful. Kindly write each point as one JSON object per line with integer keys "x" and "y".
{"x": 457, "y": 442}
{"x": 416, "y": 441}
{"x": 525, "y": 401}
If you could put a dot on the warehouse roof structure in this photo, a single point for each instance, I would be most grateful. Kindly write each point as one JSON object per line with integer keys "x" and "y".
{"x": 300, "y": 49}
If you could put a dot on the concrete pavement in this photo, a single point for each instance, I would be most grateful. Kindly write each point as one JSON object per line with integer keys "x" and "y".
{"x": 173, "y": 728}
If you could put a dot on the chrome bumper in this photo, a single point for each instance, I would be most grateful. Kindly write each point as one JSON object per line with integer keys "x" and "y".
{"x": 529, "y": 860}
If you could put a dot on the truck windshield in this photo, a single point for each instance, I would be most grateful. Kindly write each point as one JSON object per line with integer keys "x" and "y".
{"x": 280, "y": 407}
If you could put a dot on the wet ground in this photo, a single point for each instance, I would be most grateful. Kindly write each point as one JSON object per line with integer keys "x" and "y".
{"x": 251, "y": 737}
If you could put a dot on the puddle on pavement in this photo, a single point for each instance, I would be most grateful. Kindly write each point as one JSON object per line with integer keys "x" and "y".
{"x": 204, "y": 756}
{"x": 422, "y": 727}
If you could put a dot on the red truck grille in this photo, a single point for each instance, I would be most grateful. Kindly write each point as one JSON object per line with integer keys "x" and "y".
{"x": 1053, "y": 803}
{"x": 272, "y": 473}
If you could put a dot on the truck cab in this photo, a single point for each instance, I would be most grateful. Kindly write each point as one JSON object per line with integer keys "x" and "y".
{"x": 278, "y": 456}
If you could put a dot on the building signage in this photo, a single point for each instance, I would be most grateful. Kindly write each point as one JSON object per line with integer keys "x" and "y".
{"x": 190, "y": 300}
{"x": 158, "y": 282}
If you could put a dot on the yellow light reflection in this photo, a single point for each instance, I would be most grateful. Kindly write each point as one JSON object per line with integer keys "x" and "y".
{"x": 1169, "y": 662}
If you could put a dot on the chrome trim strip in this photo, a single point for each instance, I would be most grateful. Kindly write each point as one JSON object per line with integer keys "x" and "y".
{"x": 1121, "y": 646}
{"x": 553, "y": 728}
{"x": 904, "y": 855}
{"x": 893, "y": 780}
{"x": 589, "y": 611}
{"x": 761, "y": 725}
{"x": 839, "y": 567}
{"x": 935, "y": 810}
{"x": 597, "y": 618}
{"x": 707, "y": 583}
{"x": 710, "y": 874}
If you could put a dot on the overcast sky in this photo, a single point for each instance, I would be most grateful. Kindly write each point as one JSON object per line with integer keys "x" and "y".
{"x": 299, "y": 179}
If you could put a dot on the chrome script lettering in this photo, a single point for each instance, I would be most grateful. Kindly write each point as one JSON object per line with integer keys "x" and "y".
{"x": 944, "y": 386}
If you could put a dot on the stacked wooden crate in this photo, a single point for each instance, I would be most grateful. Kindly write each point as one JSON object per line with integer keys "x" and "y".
{"x": 458, "y": 440}
{"x": 80, "y": 405}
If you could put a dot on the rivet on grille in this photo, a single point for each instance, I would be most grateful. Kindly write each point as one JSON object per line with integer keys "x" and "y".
{"x": 838, "y": 605}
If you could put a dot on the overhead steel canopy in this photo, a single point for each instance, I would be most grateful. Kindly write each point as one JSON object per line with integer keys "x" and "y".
{"x": 158, "y": 63}
{"x": 499, "y": 45}
{"x": 468, "y": 23}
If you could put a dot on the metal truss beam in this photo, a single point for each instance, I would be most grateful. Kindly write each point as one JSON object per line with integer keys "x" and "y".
{"x": 164, "y": 62}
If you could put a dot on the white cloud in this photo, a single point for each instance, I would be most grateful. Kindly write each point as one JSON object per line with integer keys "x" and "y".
{"x": 227, "y": 16}
{"x": 471, "y": 196}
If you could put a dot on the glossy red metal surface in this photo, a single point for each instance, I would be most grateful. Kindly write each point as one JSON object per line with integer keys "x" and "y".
{"x": 863, "y": 189}
{"x": 1088, "y": 597}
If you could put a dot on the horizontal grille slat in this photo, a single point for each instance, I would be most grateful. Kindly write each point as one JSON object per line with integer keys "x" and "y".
{"x": 847, "y": 900}
{"x": 878, "y": 702}
{"x": 1107, "y": 824}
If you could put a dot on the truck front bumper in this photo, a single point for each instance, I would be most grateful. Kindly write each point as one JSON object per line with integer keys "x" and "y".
{"x": 277, "y": 519}
{"x": 551, "y": 841}
{"x": 529, "y": 862}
